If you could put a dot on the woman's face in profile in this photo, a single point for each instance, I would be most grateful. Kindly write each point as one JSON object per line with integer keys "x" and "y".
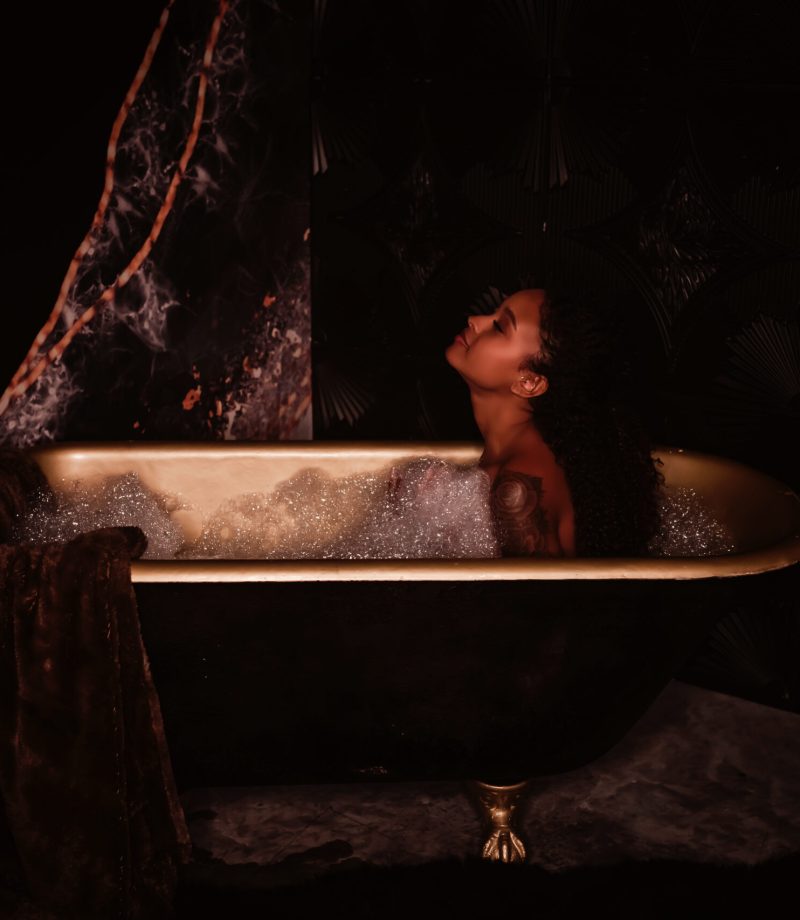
{"x": 490, "y": 350}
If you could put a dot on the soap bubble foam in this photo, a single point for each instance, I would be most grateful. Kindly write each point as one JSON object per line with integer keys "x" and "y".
{"x": 423, "y": 508}
{"x": 119, "y": 501}
{"x": 688, "y": 527}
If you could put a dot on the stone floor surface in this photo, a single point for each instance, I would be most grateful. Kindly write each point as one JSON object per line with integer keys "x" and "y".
{"x": 703, "y": 777}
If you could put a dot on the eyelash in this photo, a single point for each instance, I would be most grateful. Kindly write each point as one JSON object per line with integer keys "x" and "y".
{"x": 499, "y": 327}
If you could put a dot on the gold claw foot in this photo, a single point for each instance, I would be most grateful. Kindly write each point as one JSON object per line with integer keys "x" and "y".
{"x": 504, "y": 846}
{"x": 498, "y": 804}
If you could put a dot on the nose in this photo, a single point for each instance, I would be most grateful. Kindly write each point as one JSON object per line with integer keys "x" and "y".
{"x": 473, "y": 331}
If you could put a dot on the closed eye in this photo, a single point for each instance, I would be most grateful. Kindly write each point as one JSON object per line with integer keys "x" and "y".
{"x": 499, "y": 327}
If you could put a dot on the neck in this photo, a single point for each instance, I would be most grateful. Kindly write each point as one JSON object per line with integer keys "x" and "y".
{"x": 504, "y": 423}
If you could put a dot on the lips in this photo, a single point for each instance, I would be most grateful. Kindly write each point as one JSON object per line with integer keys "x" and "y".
{"x": 463, "y": 339}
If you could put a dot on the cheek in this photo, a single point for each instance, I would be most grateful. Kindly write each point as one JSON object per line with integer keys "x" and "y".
{"x": 493, "y": 361}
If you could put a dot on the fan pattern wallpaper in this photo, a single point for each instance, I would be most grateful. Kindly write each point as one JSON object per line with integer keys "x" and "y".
{"x": 649, "y": 153}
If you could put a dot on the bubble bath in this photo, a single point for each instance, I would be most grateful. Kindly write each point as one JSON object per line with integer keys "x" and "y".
{"x": 425, "y": 508}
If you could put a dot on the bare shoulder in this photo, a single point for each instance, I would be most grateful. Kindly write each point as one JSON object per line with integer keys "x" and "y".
{"x": 531, "y": 508}
{"x": 524, "y": 526}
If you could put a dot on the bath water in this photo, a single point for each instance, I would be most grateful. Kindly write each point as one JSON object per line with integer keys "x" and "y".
{"x": 420, "y": 508}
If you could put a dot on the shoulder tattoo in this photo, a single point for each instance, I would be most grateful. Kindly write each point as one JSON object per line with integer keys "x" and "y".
{"x": 516, "y": 501}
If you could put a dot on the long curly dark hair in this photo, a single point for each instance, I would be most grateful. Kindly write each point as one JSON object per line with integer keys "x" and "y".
{"x": 587, "y": 418}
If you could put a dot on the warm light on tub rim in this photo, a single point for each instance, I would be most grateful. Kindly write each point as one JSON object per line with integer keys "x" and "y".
{"x": 782, "y": 554}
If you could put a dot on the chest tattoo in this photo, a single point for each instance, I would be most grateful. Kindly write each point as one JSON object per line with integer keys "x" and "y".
{"x": 516, "y": 502}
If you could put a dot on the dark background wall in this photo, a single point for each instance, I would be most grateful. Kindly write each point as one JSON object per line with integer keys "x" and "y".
{"x": 648, "y": 152}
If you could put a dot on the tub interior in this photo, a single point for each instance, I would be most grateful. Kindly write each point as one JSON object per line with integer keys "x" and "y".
{"x": 758, "y": 510}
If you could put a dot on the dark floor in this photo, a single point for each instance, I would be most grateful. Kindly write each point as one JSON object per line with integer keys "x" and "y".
{"x": 702, "y": 796}
{"x": 657, "y": 890}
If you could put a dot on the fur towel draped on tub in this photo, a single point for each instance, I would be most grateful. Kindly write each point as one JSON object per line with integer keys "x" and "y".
{"x": 93, "y": 823}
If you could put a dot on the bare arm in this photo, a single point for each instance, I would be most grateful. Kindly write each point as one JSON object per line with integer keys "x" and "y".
{"x": 523, "y": 525}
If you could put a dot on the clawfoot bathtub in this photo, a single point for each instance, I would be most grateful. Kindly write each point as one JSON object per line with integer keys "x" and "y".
{"x": 498, "y": 670}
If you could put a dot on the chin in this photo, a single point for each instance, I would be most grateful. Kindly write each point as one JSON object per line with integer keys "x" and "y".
{"x": 450, "y": 350}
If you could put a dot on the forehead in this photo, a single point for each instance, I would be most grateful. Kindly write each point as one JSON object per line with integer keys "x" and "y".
{"x": 526, "y": 305}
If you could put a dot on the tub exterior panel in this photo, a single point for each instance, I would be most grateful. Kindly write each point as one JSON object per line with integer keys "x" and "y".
{"x": 325, "y": 682}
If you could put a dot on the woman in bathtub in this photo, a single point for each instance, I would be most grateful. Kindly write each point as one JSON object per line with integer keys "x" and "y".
{"x": 570, "y": 467}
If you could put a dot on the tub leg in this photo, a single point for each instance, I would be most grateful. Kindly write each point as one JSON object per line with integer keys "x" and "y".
{"x": 498, "y": 804}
